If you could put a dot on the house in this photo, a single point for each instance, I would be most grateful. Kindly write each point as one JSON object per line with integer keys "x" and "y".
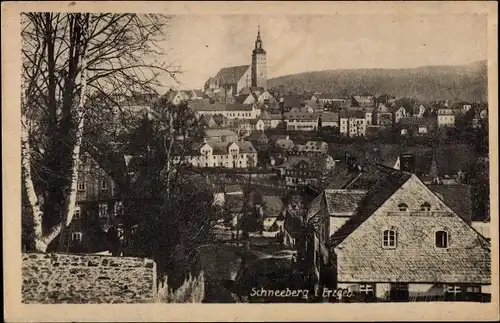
{"x": 220, "y": 120}
{"x": 310, "y": 148}
{"x": 265, "y": 98}
{"x": 416, "y": 243}
{"x": 231, "y": 111}
{"x": 270, "y": 120}
{"x": 326, "y": 98}
{"x": 414, "y": 125}
{"x": 98, "y": 208}
{"x": 352, "y": 123}
{"x": 302, "y": 109}
{"x": 208, "y": 121}
{"x": 193, "y": 94}
{"x": 176, "y": 97}
{"x": 385, "y": 99}
{"x": 383, "y": 115}
{"x": 219, "y": 135}
{"x": 258, "y": 137}
{"x": 369, "y": 115}
{"x": 248, "y": 125}
{"x": 284, "y": 143}
{"x": 273, "y": 208}
{"x": 300, "y": 170}
{"x": 445, "y": 117}
{"x": 363, "y": 100}
{"x": 419, "y": 111}
{"x": 304, "y": 121}
{"x": 246, "y": 98}
{"x": 329, "y": 119}
{"x": 226, "y": 154}
{"x": 399, "y": 113}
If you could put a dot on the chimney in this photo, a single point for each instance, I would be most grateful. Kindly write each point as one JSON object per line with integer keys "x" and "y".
{"x": 407, "y": 163}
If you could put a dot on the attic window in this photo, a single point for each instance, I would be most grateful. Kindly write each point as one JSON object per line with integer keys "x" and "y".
{"x": 441, "y": 239}
{"x": 389, "y": 239}
{"x": 425, "y": 207}
{"x": 403, "y": 207}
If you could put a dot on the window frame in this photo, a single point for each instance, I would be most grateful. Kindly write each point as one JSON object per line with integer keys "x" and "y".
{"x": 81, "y": 186}
{"x": 386, "y": 239}
{"x": 425, "y": 207}
{"x": 454, "y": 290}
{"x": 103, "y": 206}
{"x": 76, "y": 234}
{"x": 79, "y": 209}
{"x": 447, "y": 241}
{"x": 403, "y": 205}
{"x": 367, "y": 289}
{"x": 104, "y": 184}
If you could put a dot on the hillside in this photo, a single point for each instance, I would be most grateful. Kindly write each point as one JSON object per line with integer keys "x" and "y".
{"x": 465, "y": 82}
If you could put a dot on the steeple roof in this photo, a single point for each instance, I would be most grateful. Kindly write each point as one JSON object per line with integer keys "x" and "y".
{"x": 258, "y": 44}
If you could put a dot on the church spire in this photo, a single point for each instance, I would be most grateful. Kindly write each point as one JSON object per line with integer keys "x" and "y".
{"x": 258, "y": 41}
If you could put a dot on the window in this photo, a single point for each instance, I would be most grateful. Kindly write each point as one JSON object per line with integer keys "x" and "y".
{"x": 474, "y": 289}
{"x": 103, "y": 210}
{"x": 77, "y": 214}
{"x": 118, "y": 208}
{"x": 76, "y": 236}
{"x": 81, "y": 185}
{"x": 389, "y": 239}
{"x": 368, "y": 289}
{"x": 104, "y": 184}
{"x": 441, "y": 239}
{"x": 453, "y": 289}
{"x": 425, "y": 207}
{"x": 403, "y": 207}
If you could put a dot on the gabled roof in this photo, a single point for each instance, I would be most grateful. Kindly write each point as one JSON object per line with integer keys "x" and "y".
{"x": 219, "y": 132}
{"x": 413, "y": 121}
{"x": 256, "y": 135}
{"x": 246, "y": 147}
{"x": 304, "y": 116}
{"x": 377, "y": 195}
{"x": 203, "y": 106}
{"x": 272, "y": 205}
{"x": 233, "y": 188}
{"x": 340, "y": 202}
{"x": 231, "y": 75}
{"x": 330, "y": 117}
{"x": 220, "y": 148}
{"x": 458, "y": 197}
{"x": 352, "y": 114}
{"x": 235, "y": 203}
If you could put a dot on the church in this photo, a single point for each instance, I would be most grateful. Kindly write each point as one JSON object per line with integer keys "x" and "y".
{"x": 236, "y": 78}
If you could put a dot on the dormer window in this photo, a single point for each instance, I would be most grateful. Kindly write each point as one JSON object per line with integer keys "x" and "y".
{"x": 442, "y": 239}
{"x": 403, "y": 207}
{"x": 425, "y": 207}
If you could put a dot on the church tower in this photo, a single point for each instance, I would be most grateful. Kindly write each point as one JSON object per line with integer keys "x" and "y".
{"x": 259, "y": 64}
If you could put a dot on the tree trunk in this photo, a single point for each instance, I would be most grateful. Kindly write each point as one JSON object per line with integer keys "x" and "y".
{"x": 28, "y": 181}
{"x": 75, "y": 157}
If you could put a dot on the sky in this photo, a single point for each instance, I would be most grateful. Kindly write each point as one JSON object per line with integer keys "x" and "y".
{"x": 202, "y": 44}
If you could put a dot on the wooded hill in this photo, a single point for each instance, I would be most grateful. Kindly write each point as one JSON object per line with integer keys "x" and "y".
{"x": 463, "y": 82}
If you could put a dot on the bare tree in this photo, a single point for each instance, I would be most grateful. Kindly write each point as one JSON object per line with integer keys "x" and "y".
{"x": 68, "y": 57}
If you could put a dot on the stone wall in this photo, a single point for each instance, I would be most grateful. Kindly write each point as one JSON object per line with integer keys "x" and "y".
{"x": 71, "y": 278}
